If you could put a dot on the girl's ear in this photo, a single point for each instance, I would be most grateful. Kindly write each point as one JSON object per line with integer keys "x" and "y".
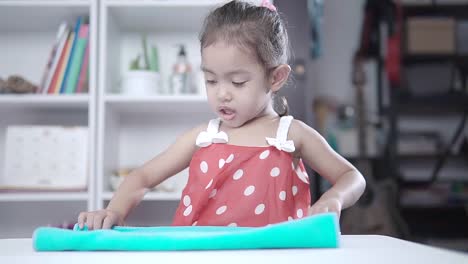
{"x": 279, "y": 76}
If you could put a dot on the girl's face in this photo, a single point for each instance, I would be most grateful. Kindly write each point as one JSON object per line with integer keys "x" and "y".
{"x": 236, "y": 83}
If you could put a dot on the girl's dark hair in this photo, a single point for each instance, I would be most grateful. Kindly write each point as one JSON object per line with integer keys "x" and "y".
{"x": 254, "y": 27}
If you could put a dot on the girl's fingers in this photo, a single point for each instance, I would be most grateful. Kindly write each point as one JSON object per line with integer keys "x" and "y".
{"x": 108, "y": 222}
{"x": 90, "y": 221}
{"x": 97, "y": 223}
{"x": 81, "y": 219}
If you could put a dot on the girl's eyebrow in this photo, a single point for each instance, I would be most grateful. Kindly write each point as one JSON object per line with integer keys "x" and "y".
{"x": 238, "y": 71}
{"x": 204, "y": 69}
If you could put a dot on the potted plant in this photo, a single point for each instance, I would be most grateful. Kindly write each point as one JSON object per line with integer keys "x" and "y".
{"x": 142, "y": 78}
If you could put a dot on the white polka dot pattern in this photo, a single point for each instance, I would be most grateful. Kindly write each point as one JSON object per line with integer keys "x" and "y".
{"x": 221, "y": 163}
{"x": 230, "y": 158}
{"x": 187, "y": 200}
{"x": 302, "y": 175}
{"x": 213, "y": 193}
{"x": 238, "y": 174}
{"x": 221, "y": 210}
{"x": 282, "y": 196}
{"x": 209, "y": 184}
{"x": 249, "y": 190}
{"x": 204, "y": 167}
{"x": 275, "y": 172}
{"x": 300, "y": 213}
{"x": 294, "y": 190}
{"x": 188, "y": 210}
{"x": 264, "y": 154}
{"x": 259, "y": 209}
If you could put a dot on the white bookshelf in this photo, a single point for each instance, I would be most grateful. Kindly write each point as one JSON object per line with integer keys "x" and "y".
{"x": 27, "y": 33}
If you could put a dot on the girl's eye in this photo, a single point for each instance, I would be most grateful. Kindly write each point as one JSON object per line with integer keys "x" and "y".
{"x": 211, "y": 82}
{"x": 238, "y": 84}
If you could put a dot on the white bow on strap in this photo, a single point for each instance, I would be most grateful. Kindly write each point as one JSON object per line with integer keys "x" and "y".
{"x": 205, "y": 138}
{"x": 287, "y": 145}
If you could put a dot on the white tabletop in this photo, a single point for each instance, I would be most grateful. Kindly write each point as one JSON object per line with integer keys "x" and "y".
{"x": 353, "y": 249}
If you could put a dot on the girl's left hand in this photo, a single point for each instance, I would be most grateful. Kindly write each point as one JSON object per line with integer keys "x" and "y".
{"x": 325, "y": 205}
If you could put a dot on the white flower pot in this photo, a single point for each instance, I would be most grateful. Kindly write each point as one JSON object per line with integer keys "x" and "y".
{"x": 140, "y": 83}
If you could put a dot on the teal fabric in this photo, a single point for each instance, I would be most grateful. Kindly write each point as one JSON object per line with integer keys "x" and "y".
{"x": 318, "y": 231}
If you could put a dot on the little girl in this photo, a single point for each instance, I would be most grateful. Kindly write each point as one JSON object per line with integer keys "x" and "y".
{"x": 245, "y": 167}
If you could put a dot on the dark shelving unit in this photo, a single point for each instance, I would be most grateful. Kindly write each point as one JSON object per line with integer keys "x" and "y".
{"x": 443, "y": 220}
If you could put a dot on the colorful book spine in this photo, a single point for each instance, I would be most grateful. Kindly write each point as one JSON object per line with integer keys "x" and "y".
{"x": 83, "y": 79}
{"x": 76, "y": 59}
{"x": 51, "y": 86}
{"x": 58, "y": 78}
{"x": 72, "y": 50}
{"x": 54, "y": 57}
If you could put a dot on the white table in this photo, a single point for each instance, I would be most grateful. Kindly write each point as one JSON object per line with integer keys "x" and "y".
{"x": 353, "y": 249}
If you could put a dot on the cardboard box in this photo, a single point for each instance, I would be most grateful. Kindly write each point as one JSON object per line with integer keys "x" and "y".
{"x": 431, "y": 35}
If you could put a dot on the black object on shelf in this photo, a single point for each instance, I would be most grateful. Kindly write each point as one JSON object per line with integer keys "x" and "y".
{"x": 446, "y": 220}
{"x": 435, "y": 10}
{"x": 431, "y": 58}
{"x": 453, "y": 102}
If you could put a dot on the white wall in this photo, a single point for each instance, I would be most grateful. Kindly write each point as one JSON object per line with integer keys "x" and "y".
{"x": 341, "y": 31}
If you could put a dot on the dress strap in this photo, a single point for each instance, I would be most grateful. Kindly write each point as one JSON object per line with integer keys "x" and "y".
{"x": 283, "y": 128}
{"x": 211, "y": 135}
{"x": 213, "y": 125}
{"x": 281, "y": 141}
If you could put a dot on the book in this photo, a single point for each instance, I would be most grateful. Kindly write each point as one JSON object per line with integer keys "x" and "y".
{"x": 54, "y": 56}
{"x": 76, "y": 59}
{"x": 55, "y": 85}
{"x": 82, "y": 85}
{"x": 72, "y": 50}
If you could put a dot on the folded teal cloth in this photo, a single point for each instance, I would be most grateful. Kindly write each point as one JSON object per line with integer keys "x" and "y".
{"x": 318, "y": 231}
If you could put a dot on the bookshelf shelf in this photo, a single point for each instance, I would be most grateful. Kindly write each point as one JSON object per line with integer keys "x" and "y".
{"x": 44, "y": 101}
{"x": 45, "y": 14}
{"x": 154, "y": 15}
{"x": 156, "y": 104}
{"x": 43, "y": 196}
{"x": 155, "y": 98}
{"x": 152, "y": 196}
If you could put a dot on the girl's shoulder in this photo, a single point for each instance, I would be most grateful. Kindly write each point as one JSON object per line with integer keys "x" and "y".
{"x": 300, "y": 132}
{"x": 191, "y": 134}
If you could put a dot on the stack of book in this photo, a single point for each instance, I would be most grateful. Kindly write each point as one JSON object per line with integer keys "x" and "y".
{"x": 67, "y": 69}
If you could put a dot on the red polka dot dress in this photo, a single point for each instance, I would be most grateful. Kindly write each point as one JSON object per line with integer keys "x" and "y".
{"x": 233, "y": 185}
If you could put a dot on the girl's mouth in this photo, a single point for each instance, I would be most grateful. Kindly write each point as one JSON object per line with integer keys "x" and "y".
{"x": 226, "y": 113}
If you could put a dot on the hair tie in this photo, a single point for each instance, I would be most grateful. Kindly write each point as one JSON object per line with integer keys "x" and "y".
{"x": 267, "y": 4}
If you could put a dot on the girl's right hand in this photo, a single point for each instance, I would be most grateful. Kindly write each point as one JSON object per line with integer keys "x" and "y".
{"x": 104, "y": 219}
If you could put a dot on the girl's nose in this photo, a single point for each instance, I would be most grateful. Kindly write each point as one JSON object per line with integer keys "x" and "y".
{"x": 223, "y": 94}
